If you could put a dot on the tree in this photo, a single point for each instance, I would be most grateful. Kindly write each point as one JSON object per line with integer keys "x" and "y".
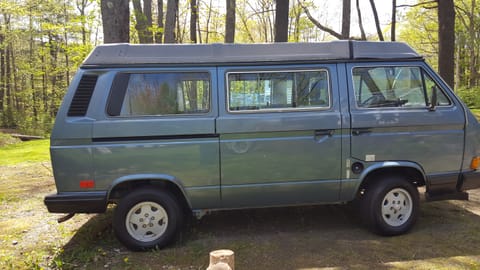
{"x": 377, "y": 21}
{"x": 160, "y": 30}
{"x": 394, "y": 20}
{"x": 446, "y": 38}
{"x": 115, "y": 18}
{"x": 346, "y": 19}
{"x": 318, "y": 24}
{"x": 281, "y": 20}
{"x": 360, "y": 23}
{"x": 170, "y": 21}
{"x": 193, "y": 21}
{"x": 143, "y": 18}
{"x": 468, "y": 44}
{"x": 230, "y": 22}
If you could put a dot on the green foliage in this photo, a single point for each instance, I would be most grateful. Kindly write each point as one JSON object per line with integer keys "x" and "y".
{"x": 420, "y": 30}
{"x": 43, "y": 44}
{"x": 471, "y": 96}
{"x": 6, "y": 139}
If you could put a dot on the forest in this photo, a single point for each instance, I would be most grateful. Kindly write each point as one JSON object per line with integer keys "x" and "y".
{"x": 42, "y": 42}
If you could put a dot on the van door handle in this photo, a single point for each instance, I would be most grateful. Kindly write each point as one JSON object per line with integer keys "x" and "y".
{"x": 322, "y": 135}
{"x": 360, "y": 131}
{"x": 324, "y": 132}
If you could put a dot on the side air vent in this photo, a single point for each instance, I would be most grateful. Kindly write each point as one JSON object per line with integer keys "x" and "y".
{"x": 82, "y": 96}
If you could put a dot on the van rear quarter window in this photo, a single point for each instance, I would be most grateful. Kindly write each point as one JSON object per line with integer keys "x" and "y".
{"x": 166, "y": 93}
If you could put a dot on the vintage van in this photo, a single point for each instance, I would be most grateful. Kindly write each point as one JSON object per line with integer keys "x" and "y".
{"x": 166, "y": 130}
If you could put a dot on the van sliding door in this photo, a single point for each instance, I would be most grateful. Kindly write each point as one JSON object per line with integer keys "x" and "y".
{"x": 280, "y": 135}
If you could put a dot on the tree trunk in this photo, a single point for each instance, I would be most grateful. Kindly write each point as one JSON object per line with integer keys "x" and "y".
{"x": 377, "y": 21}
{"x": 394, "y": 20}
{"x": 281, "y": 21}
{"x": 193, "y": 21}
{"x": 161, "y": 30}
{"x": 65, "y": 36}
{"x": 446, "y": 40}
{"x": 170, "y": 21}
{"x": 318, "y": 24}
{"x": 296, "y": 26}
{"x": 147, "y": 10}
{"x": 142, "y": 20}
{"x": 346, "y": 19}
{"x": 360, "y": 23}
{"x": 458, "y": 62}
{"x": 115, "y": 19}
{"x": 209, "y": 16}
{"x": 8, "y": 87}
{"x": 230, "y": 22}
{"x": 81, "y": 7}
{"x": 2, "y": 70}
{"x": 472, "y": 52}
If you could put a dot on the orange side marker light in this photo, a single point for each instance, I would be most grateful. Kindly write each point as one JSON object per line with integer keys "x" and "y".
{"x": 475, "y": 163}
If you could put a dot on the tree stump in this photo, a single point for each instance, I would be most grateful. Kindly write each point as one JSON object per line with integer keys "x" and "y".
{"x": 222, "y": 259}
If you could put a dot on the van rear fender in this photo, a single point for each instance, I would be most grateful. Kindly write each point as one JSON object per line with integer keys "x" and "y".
{"x": 411, "y": 170}
{"x": 125, "y": 184}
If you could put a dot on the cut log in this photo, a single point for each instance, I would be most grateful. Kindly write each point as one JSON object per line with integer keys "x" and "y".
{"x": 222, "y": 259}
{"x": 26, "y": 137}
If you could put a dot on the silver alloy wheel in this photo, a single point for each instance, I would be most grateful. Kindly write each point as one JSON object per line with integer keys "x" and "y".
{"x": 397, "y": 206}
{"x": 146, "y": 221}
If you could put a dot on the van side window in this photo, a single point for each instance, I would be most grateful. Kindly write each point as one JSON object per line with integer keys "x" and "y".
{"x": 278, "y": 90}
{"x": 390, "y": 86}
{"x": 143, "y": 94}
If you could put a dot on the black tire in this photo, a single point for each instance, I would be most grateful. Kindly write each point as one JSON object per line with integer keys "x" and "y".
{"x": 389, "y": 206}
{"x": 147, "y": 218}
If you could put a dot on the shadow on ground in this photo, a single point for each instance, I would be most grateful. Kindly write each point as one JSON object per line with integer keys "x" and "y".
{"x": 447, "y": 235}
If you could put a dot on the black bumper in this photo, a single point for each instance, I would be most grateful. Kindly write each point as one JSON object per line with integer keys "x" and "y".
{"x": 77, "y": 202}
{"x": 470, "y": 180}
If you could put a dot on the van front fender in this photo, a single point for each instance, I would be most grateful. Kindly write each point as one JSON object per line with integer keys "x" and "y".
{"x": 350, "y": 187}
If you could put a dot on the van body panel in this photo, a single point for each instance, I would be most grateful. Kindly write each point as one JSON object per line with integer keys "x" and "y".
{"x": 199, "y": 159}
{"x": 70, "y": 146}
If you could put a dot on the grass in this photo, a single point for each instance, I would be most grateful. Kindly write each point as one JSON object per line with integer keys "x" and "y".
{"x": 476, "y": 112}
{"x": 31, "y": 151}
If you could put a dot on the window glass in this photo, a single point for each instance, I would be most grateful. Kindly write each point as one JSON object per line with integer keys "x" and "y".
{"x": 394, "y": 87}
{"x": 277, "y": 90}
{"x": 165, "y": 93}
{"x": 442, "y": 99}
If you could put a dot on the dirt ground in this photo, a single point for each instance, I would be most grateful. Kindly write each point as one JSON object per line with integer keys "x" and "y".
{"x": 447, "y": 236}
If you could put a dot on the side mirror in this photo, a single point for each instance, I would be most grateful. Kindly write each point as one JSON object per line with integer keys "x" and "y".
{"x": 433, "y": 99}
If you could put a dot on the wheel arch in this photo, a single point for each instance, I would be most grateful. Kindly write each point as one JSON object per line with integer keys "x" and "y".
{"x": 413, "y": 172}
{"x": 123, "y": 185}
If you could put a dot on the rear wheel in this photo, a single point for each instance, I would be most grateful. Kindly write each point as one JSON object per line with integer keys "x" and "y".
{"x": 147, "y": 218}
{"x": 390, "y": 205}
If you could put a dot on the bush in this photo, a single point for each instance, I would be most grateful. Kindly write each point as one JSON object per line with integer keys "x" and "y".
{"x": 471, "y": 96}
{"x": 6, "y": 139}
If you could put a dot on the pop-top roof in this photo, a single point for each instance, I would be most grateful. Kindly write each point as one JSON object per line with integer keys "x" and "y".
{"x": 129, "y": 54}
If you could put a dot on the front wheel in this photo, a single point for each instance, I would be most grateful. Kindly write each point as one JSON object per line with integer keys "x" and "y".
{"x": 390, "y": 205}
{"x": 147, "y": 218}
